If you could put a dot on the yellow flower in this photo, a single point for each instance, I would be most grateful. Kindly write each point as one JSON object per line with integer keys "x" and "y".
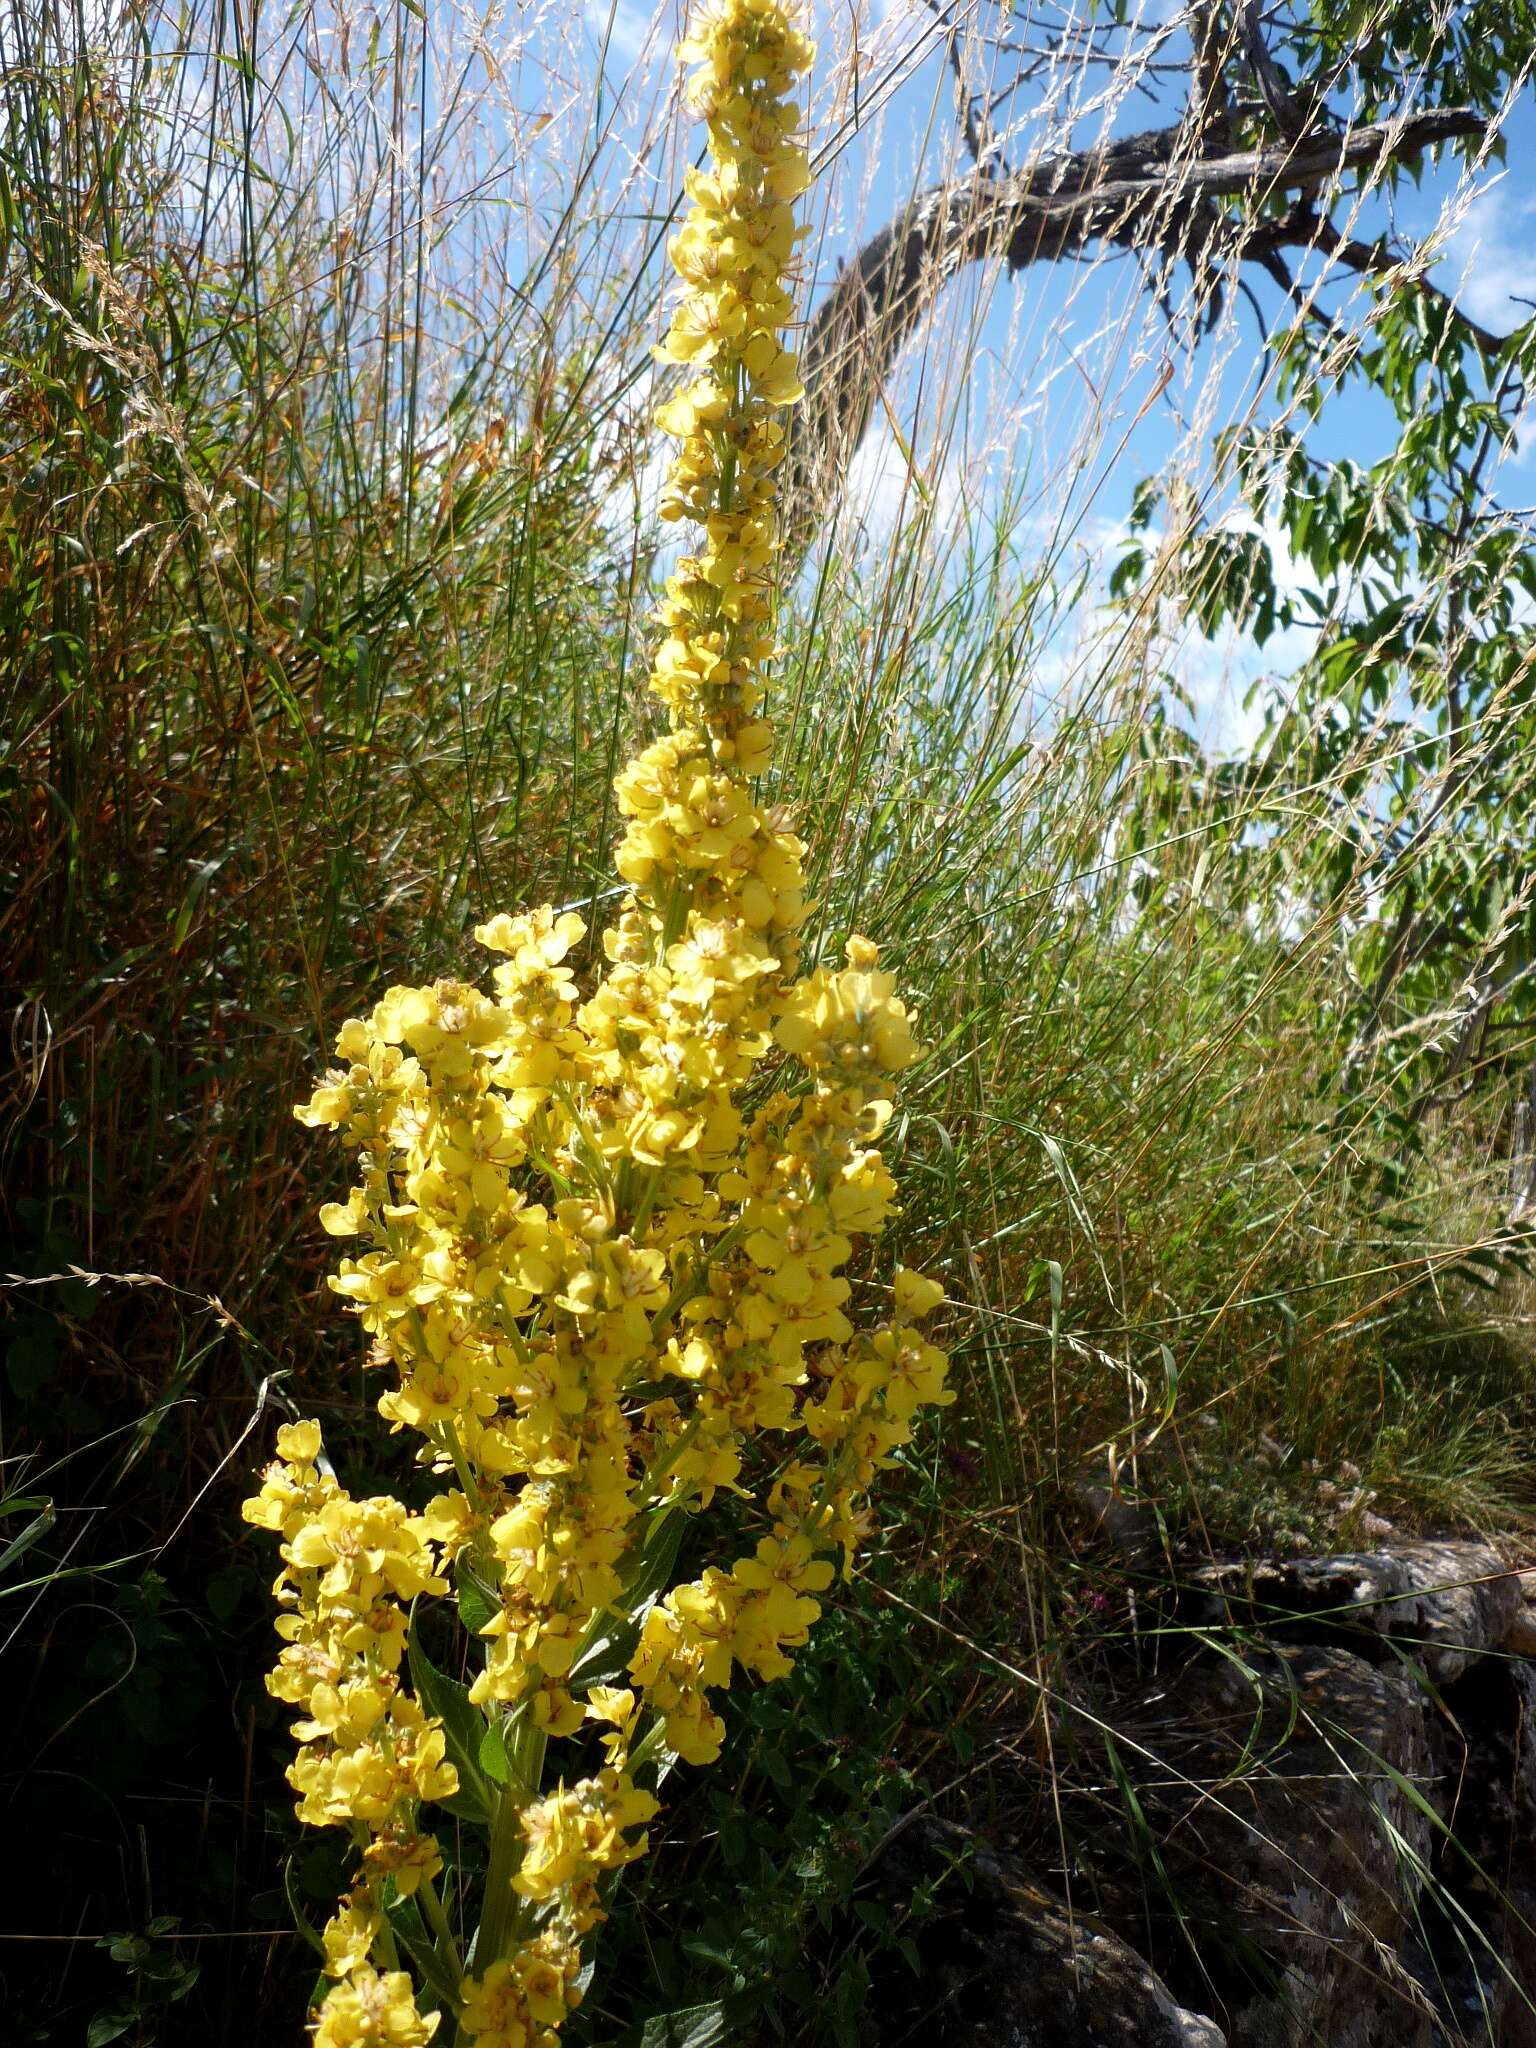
{"x": 617, "y": 1708}
{"x": 373, "y": 2011}
{"x": 520, "y": 2001}
{"x": 404, "y": 1856}
{"x": 849, "y": 1025}
{"x": 915, "y": 1294}
{"x": 350, "y": 1933}
{"x": 578, "y": 1832}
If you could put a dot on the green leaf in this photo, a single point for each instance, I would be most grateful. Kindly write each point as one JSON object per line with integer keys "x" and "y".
{"x": 223, "y": 1594}
{"x": 38, "y": 1526}
{"x": 463, "y": 1730}
{"x": 301, "y": 1919}
{"x": 695, "y": 2026}
{"x": 32, "y": 1358}
{"x": 493, "y": 1754}
{"x": 774, "y": 1767}
{"x": 476, "y": 1606}
{"x": 646, "y": 1573}
{"x": 108, "y": 2026}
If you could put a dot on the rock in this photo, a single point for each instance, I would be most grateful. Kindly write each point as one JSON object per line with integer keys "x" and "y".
{"x": 1444, "y": 1603}
{"x": 1486, "y": 1981}
{"x": 1129, "y": 1526}
{"x": 1004, "y": 1964}
{"x": 1463, "y": 1601}
{"x": 1332, "y": 1832}
{"x": 1515, "y": 1993}
{"x": 1299, "y": 1812}
{"x": 1481, "y": 1951}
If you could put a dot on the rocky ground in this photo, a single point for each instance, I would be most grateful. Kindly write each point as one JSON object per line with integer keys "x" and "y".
{"x": 1329, "y": 1786}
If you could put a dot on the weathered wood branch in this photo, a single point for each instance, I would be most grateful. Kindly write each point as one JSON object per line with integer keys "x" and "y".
{"x": 1146, "y": 192}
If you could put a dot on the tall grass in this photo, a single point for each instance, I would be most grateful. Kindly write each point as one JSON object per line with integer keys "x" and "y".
{"x": 1125, "y": 1141}
{"x": 321, "y": 445}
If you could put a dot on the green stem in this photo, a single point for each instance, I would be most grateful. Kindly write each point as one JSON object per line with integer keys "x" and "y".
{"x": 437, "y": 1920}
{"x": 499, "y": 1914}
{"x": 525, "y": 1756}
{"x": 645, "y": 1494}
{"x": 461, "y": 1466}
{"x": 649, "y": 1744}
{"x": 500, "y": 1899}
{"x": 696, "y": 1277}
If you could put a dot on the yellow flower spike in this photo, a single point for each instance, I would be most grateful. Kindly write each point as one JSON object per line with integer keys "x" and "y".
{"x": 600, "y": 1291}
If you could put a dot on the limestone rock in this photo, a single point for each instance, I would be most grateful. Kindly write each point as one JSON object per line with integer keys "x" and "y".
{"x": 1482, "y": 1959}
{"x": 1445, "y": 1603}
{"x": 1128, "y": 1526}
{"x": 1297, "y": 1804}
{"x": 1004, "y": 1964}
{"x": 1341, "y": 1790}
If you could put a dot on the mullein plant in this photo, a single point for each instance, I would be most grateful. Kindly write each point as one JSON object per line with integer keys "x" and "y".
{"x": 603, "y": 1259}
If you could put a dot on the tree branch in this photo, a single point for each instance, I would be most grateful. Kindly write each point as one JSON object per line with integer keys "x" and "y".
{"x": 1142, "y": 192}
{"x": 1288, "y": 117}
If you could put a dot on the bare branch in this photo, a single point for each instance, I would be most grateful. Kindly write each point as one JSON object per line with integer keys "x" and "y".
{"x": 1288, "y": 117}
{"x": 1142, "y": 192}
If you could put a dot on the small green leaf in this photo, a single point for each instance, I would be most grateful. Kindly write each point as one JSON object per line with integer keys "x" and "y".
{"x": 223, "y": 1594}
{"x": 695, "y": 2026}
{"x": 32, "y": 1358}
{"x": 774, "y": 1767}
{"x": 493, "y": 1755}
{"x": 476, "y": 1607}
{"x": 301, "y": 1919}
{"x": 463, "y": 1728}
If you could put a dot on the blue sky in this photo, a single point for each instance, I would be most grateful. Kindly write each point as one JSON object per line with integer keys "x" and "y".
{"x": 550, "y": 150}
{"x": 1061, "y": 389}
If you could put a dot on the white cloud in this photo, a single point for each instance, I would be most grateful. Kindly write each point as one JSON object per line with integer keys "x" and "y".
{"x": 1216, "y": 672}
{"x": 1493, "y": 250}
{"x": 883, "y": 491}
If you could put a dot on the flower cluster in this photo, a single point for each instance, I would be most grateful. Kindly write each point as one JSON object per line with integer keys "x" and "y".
{"x": 601, "y": 1280}
{"x": 368, "y": 1756}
